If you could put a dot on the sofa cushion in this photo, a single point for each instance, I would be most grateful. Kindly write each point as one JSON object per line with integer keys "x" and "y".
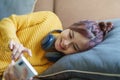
{"x": 8, "y": 7}
{"x": 100, "y": 63}
{"x": 70, "y": 11}
{"x": 44, "y": 5}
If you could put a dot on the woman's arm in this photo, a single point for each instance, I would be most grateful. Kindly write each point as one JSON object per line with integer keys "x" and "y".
{"x": 15, "y": 23}
{"x": 10, "y": 26}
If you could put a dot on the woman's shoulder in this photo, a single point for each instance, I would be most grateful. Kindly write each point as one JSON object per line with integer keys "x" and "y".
{"x": 44, "y": 12}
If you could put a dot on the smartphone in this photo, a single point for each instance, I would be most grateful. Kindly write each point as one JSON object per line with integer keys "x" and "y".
{"x": 22, "y": 63}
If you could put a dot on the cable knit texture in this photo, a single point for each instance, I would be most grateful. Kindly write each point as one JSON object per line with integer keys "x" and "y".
{"x": 29, "y": 30}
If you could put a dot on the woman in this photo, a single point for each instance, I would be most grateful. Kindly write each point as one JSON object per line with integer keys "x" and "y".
{"x": 24, "y": 34}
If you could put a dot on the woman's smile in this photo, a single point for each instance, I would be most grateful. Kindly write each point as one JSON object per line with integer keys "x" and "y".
{"x": 60, "y": 45}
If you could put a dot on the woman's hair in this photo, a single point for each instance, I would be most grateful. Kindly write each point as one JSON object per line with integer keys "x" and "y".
{"x": 105, "y": 27}
{"x": 92, "y": 30}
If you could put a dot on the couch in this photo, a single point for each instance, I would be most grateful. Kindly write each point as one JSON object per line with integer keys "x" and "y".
{"x": 100, "y": 63}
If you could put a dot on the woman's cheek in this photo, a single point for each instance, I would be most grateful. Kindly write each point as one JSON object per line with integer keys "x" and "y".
{"x": 69, "y": 51}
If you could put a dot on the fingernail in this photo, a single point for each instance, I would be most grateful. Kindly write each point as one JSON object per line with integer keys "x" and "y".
{"x": 13, "y": 62}
{"x": 30, "y": 54}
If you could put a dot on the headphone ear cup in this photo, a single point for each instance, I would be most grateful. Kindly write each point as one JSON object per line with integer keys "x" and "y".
{"x": 54, "y": 56}
{"x": 48, "y": 41}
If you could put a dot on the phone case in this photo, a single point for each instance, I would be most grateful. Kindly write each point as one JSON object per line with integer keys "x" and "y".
{"x": 23, "y": 63}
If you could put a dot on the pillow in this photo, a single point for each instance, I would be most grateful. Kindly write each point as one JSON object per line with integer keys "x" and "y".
{"x": 8, "y": 7}
{"x": 100, "y": 63}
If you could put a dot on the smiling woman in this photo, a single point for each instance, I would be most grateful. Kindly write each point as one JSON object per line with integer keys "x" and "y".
{"x": 70, "y": 41}
{"x": 25, "y": 33}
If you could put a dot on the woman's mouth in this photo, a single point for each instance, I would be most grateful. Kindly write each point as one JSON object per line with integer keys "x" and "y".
{"x": 60, "y": 45}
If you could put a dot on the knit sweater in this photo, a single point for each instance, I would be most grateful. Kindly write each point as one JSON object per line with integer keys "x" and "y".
{"x": 28, "y": 30}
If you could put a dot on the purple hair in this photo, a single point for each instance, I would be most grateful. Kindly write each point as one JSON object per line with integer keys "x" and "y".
{"x": 90, "y": 29}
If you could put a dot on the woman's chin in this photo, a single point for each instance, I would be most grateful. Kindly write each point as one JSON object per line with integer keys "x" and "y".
{"x": 57, "y": 48}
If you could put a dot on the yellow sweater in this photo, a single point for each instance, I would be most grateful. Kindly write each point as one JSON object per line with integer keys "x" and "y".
{"x": 28, "y": 30}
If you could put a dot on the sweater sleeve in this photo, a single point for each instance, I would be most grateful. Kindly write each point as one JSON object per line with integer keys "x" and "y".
{"x": 7, "y": 31}
{"x": 9, "y": 26}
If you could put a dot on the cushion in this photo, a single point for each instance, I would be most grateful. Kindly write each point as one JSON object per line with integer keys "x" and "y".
{"x": 99, "y": 63}
{"x": 8, "y": 7}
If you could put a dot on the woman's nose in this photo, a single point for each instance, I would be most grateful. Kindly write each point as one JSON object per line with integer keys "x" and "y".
{"x": 67, "y": 43}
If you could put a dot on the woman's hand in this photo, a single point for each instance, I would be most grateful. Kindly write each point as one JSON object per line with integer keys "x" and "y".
{"x": 11, "y": 73}
{"x": 18, "y": 49}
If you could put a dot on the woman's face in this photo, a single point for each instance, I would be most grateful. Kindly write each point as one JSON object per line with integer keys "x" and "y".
{"x": 69, "y": 42}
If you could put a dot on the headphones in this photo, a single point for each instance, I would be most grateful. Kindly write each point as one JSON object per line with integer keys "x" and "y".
{"x": 49, "y": 40}
{"x": 48, "y": 43}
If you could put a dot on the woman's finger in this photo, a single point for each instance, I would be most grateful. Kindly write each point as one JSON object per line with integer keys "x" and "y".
{"x": 28, "y": 51}
{"x": 20, "y": 51}
{"x": 15, "y": 48}
{"x": 8, "y": 73}
{"x": 24, "y": 75}
{"x": 20, "y": 48}
{"x": 17, "y": 74}
{"x": 31, "y": 78}
{"x": 17, "y": 51}
{"x": 13, "y": 73}
{"x": 5, "y": 75}
{"x": 11, "y": 44}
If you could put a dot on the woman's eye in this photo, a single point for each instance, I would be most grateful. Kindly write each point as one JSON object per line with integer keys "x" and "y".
{"x": 74, "y": 47}
{"x": 70, "y": 35}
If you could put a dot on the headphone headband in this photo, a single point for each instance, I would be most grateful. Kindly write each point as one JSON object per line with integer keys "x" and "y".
{"x": 58, "y": 31}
